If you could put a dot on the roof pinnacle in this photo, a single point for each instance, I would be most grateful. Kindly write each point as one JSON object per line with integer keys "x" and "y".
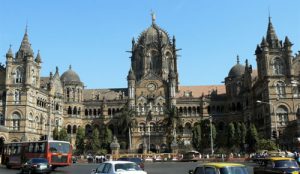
{"x": 153, "y": 17}
{"x": 237, "y": 59}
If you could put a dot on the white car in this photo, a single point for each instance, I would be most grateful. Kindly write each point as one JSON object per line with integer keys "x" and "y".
{"x": 118, "y": 167}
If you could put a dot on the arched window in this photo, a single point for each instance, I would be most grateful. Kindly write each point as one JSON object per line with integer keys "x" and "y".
{"x": 278, "y": 67}
{"x": 75, "y": 111}
{"x": 86, "y": 112}
{"x": 280, "y": 87}
{"x": 36, "y": 123}
{"x": 18, "y": 75}
{"x": 187, "y": 128}
{"x": 152, "y": 127}
{"x": 2, "y": 121}
{"x": 142, "y": 127}
{"x": 88, "y": 130}
{"x": 16, "y": 121}
{"x": 74, "y": 129}
{"x": 69, "y": 129}
{"x": 282, "y": 115}
{"x": 69, "y": 110}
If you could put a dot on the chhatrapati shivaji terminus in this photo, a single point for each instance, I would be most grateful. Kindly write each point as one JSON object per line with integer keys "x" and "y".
{"x": 157, "y": 110}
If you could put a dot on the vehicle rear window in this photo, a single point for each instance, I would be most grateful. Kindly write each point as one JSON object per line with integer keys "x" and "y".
{"x": 39, "y": 160}
{"x": 234, "y": 170}
{"x": 127, "y": 167}
{"x": 286, "y": 164}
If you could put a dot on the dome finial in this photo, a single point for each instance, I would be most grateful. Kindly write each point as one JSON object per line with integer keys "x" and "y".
{"x": 153, "y": 17}
{"x": 237, "y": 59}
{"x": 70, "y": 67}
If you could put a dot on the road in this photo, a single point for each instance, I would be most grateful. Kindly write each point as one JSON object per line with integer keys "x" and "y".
{"x": 151, "y": 168}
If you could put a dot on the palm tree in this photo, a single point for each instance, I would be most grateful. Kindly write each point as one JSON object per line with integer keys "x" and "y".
{"x": 127, "y": 121}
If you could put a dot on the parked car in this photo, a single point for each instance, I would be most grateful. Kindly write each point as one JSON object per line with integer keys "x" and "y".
{"x": 138, "y": 161}
{"x": 118, "y": 167}
{"x": 277, "y": 165}
{"x": 220, "y": 168}
{"x": 36, "y": 165}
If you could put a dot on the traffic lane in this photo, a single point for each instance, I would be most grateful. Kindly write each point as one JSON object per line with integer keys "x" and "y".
{"x": 150, "y": 167}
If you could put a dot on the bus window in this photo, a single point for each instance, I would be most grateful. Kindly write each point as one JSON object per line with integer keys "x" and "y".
{"x": 36, "y": 147}
{"x": 18, "y": 149}
{"x": 58, "y": 147}
{"x": 30, "y": 148}
{"x": 40, "y": 147}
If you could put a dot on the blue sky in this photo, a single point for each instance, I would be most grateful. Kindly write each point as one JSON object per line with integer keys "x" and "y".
{"x": 93, "y": 35}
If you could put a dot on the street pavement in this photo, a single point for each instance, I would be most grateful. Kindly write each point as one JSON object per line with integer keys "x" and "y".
{"x": 150, "y": 167}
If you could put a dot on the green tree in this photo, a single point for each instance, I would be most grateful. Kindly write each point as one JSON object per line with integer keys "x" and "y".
{"x": 63, "y": 135}
{"x": 55, "y": 134}
{"x": 264, "y": 144}
{"x": 107, "y": 138}
{"x": 243, "y": 136}
{"x": 238, "y": 133}
{"x": 127, "y": 121}
{"x": 79, "y": 143}
{"x": 230, "y": 135}
{"x": 95, "y": 141}
{"x": 171, "y": 122}
{"x": 197, "y": 137}
{"x": 252, "y": 138}
{"x": 206, "y": 133}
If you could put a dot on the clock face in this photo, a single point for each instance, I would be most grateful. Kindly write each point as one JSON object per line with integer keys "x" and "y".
{"x": 151, "y": 87}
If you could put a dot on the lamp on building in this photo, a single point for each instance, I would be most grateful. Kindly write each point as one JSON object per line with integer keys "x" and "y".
{"x": 211, "y": 136}
{"x": 274, "y": 133}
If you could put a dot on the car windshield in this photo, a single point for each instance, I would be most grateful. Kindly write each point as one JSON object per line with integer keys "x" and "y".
{"x": 136, "y": 160}
{"x": 286, "y": 164}
{"x": 233, "y": 170}
{"x": 126, "y": 167}
{"x": 59, "y": 147}
{"x": 39, "y": 160}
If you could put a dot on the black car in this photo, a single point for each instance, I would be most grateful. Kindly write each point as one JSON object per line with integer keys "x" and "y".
{"x": 277, "y": 165}
{"x": 36, "y": 165}
{"x": 138, "y": 161}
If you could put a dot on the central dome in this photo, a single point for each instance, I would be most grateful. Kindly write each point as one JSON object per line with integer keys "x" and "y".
{"x": 70, "y": 76}
{"x": 153, "y": 34}
{"x": 237, "y": 70}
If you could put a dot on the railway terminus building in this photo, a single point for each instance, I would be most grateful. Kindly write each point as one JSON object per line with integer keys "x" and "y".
{"x": 32, "y": 106}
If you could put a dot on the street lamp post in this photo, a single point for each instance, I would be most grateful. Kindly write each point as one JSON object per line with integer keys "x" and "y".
{"x": 211, "y": 136}
{"x": 275, "y": 115}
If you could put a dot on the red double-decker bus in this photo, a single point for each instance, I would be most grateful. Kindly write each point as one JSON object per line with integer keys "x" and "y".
{"x": 58, "y": 153}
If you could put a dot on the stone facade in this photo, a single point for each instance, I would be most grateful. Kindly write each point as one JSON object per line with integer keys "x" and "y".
{"x": 32, "y": 106}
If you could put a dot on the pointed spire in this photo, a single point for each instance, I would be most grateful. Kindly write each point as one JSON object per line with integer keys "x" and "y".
{"x": 56, "y": 69}
{"x": 246, "y": 62}
{"x": 25, "y": 47}
{"x": 70, "y": 67}
{"x": 258, "y": 50}
{"x": 9, "y": 53}
{"x": 264, "y": 43}
{"x": 38, "y": 57}
{"x": 131, "y": 75}
{"x": 287, "y": 42}
{"x": 271, "y": 37}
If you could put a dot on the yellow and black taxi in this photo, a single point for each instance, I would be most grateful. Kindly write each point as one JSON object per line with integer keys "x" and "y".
{"x": 277, "y": 165}
{"x": 220, "y": 168}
